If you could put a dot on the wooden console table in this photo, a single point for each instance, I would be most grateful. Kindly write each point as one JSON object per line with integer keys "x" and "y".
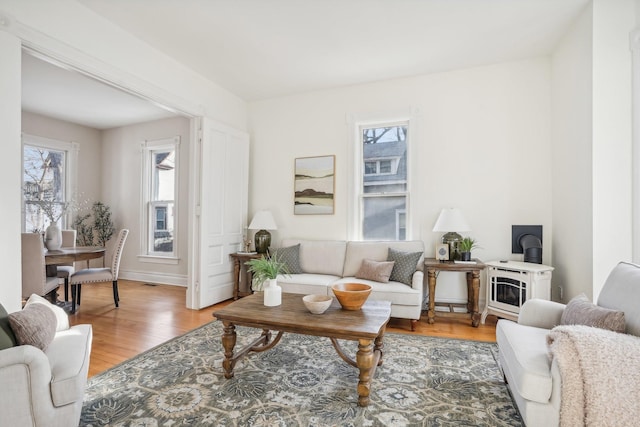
{"x": 432, "y": 266}
{"x": 239, "y": 258}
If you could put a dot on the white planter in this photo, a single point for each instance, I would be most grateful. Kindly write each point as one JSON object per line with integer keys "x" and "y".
{"x": 53, "y": 237}
{"x": 272, "y": 293}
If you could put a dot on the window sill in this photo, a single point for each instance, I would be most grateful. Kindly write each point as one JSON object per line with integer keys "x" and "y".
{"x": 155, "y": 259}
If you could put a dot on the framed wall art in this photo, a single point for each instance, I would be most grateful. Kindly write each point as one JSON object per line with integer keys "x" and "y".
{"x": 314, "y": 185}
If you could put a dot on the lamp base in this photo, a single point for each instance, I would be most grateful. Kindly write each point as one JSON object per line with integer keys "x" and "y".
{"x": 453, "y": 239}
{"x": 263, "y": 241}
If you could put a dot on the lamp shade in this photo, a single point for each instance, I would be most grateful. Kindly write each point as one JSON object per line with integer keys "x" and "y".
{"x": 451, "y": 219}
{"x": 263, "y": 220}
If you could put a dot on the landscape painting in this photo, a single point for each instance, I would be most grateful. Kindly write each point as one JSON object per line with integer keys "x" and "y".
{"x": 314, "y": 185}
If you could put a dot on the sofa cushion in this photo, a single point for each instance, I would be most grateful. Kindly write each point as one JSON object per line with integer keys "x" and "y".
{"x": 290, "y": 256}
{"x": 580, "y": 311}
{"x": 378, "y": 271}
{"x": 377, "y": 251}
{"x": 524, "y": 348}
{"x": 405, "y": 265}
{"x": 320, "y": 256}
{"x": 62, "y": 317}
{"x": 34, "y": 325}
{"x": 7, "y": 338}
{"x": 307, "y": 284}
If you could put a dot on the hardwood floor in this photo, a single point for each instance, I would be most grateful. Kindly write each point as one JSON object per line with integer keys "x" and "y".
{"x": 152, "y": 314}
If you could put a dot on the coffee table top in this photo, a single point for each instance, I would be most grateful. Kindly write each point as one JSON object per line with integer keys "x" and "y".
{"x": 293, "y": 316}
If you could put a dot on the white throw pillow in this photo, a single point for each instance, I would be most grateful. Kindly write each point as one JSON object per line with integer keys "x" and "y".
{"x": 61, "y": 315}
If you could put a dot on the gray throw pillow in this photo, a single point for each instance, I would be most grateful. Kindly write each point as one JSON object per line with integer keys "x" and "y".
{"x": 290, "y": 256}
{"x": 7, "y": 338}
{"x": 35, "y": 325}
{"x": 378, "y": 271}
{"x": 405, "y": 265}
{"x": 581, "y": 311}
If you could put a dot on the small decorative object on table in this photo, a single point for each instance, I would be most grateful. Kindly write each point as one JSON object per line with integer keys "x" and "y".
{"x": 317, "y": 304}
{"x": 266, "y": 269}
{"x": 467, "y": 244}
{"x": 351, "y": 296}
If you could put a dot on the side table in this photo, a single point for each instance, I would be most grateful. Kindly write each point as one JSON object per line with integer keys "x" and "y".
{"x": 432, "y": 266}
{"x": 239, "y": 258}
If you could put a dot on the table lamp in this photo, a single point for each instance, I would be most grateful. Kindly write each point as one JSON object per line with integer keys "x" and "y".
{"x": 262, "y": 221}
{"x": 450, "y": 222}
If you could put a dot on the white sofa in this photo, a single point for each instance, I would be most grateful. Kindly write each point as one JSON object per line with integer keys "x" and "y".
{"x": 44, "y": 388}
{"x": 325, "y": 262}
{"x": 533, "y": 376}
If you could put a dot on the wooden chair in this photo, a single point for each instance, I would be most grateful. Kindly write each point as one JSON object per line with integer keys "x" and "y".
{"x": 99, "y": 275}
{"x": 66, "y": 270}
{"x": 34, "y": 275}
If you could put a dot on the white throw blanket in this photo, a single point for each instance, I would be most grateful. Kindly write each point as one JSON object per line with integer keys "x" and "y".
{"x": 600, "y": 373}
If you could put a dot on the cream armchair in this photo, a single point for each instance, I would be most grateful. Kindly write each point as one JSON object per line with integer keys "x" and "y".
{"x": 34, "y": 276}
{"x": 43, "y": 388}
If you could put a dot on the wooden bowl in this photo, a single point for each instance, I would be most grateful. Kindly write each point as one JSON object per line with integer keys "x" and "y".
{"x": 351, "y": 296}
{"x": 317, "y": 304}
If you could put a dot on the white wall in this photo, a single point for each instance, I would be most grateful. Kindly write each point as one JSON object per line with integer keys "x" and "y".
{"x": 591, "y": 87}
{"x": 121, "y": 190}
{"x": 572, "y": 161}
{"x": 10, "y": 258}
{"x": 89, "y": 140}
{"x": 482, "y": 144}
{"x": 612, "y": 155}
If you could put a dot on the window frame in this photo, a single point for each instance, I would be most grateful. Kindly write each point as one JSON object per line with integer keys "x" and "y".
{"x": 357, "y": 122}
{"x": 148, "y": 205}
{"x": 70, "y": 149}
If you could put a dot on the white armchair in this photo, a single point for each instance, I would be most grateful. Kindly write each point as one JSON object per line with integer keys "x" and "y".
{"x": 44, "y": 388}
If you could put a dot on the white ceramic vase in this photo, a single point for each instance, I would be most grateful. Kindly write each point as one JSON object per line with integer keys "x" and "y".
{"x": 53, "y": 237}
{"x": 272, "y": 293}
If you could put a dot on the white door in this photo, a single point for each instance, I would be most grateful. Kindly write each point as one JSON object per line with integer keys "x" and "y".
{"x": 220, "y": 185}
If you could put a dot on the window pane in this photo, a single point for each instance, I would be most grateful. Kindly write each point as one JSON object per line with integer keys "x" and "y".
{"x": 43, "y": 187}
{"x": 163, "y": 228}
{"x": 385, "y": 175}
{"x": 164, "y": 175}
{"x": 379, "y": 217}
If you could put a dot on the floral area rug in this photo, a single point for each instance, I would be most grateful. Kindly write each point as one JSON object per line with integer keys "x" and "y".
{"x": 423, "y": 381}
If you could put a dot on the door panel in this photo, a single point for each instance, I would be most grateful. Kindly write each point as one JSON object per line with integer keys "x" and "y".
{"x": 220, "y": 211}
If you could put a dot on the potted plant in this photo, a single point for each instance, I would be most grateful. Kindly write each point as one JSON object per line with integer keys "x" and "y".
{"x": 467, "y": 244}
{"x": 265, "y": 270}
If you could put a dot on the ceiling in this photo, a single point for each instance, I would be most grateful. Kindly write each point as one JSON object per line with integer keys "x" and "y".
{"x": 260, "y": 49}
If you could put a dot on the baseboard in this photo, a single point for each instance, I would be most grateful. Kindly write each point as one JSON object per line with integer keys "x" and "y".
{"x": 159, "y": 278}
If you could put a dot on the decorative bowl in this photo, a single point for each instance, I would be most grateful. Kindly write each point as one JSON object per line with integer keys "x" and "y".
{"x": 317, "y": 304}
{"x": 351, "y": 296}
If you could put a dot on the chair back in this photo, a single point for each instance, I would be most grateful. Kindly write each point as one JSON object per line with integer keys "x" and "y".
{"x": 34, "y": 275}
{"x": 69, "y": 241}
{"x": 117, "y": 252}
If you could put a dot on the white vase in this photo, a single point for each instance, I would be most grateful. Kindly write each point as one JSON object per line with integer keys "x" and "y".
{"x": 53, "y": 237}
{"x": 272, "y": 293}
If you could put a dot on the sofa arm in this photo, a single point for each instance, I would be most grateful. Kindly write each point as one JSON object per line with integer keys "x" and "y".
{"x": 25, "y": 376}
{"x": 540, "y": 313}
{"x": 416, "y": 281}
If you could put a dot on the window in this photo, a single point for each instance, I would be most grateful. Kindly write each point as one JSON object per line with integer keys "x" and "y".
{"x": 47, "y": 181}
{"x": 160, "y": 171}
{"x": 383, "y": 182}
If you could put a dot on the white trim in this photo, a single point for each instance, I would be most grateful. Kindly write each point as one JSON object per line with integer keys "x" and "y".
{"x": 152, "y": 259}
{"x": 355, "y": 123}
{"x": 146, "y": 240}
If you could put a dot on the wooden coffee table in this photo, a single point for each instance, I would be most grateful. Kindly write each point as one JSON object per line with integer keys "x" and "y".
{"x": 366, "y": 326}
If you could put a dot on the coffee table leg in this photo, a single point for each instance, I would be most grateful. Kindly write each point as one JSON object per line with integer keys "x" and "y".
{"x": 378, "y": 346}
{"x": 364, "y": 360}
{"x": 228, "y": 342}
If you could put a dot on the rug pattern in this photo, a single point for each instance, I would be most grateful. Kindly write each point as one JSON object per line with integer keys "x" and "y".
{"x": 423, "y": 381}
